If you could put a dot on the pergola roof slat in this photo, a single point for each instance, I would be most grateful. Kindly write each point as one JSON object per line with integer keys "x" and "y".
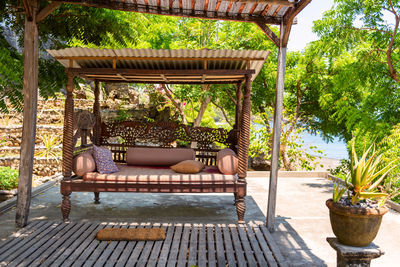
{"x": 116, "y": 64}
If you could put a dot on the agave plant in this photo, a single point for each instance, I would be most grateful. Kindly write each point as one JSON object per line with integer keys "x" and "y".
{"x": 51, "y": 144}
{"x": 365, "y": 177}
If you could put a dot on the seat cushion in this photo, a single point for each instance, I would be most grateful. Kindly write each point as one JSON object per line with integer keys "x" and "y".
{"x": 227, "y": 161}
{"x": 188, "y": 166}
{"x": 84, "y": 163}
{"x": 154, "y": 156}
{"x": 145, "y": 174}
{"x": 104, "y": 160}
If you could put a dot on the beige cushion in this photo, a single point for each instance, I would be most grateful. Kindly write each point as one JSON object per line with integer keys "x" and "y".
{"x": 227, "y": 161}
{"x": 149, "y": 156}
{"x": 84, "y": 163}
{"x": 188, "y": 166}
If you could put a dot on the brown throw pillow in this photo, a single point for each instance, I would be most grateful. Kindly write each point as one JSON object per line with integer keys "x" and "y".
{"x": 84, "y": 163}
{"x": 188, "y": 166}
{"x": 227, "y": 161}
{"x": 154, "y": 156}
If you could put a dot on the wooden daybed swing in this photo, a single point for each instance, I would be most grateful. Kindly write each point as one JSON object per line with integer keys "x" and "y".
{"x": 159, "y": 67}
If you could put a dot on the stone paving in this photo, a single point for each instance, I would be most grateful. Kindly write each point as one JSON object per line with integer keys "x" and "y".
{"x": 302, "y": 223}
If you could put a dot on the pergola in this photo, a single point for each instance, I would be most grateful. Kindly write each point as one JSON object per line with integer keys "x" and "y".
{"x": 262, "y": 13}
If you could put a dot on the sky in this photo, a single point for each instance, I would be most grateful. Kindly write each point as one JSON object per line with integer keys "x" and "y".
{"x": 301, "y": 33}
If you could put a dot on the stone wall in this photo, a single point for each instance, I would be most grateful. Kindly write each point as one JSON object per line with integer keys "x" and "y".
{"x": 41, "y": 166}
{"x": 11, "y": 135}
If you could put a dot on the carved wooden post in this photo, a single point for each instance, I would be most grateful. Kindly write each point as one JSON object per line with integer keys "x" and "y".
{"x": 31, "y": 56}
{"x": 243, "y": 153}
{"x": 280, "y": 84}
{"x": 68, "y": 145}
{"x": 238, "y": 110}
{"x": 96, "y": 112}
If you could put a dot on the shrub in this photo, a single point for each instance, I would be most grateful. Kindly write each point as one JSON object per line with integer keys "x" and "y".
{"x": 8, "y": 178}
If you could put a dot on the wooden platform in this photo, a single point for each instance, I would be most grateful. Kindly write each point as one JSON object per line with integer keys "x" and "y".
{"x": 47, "y": 243}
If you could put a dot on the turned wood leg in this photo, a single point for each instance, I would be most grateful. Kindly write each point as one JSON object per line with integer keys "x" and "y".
{"x": 96, "y": 197}
{"x": 240, "y": 209}
{"x": 236, "y": 198}
{"x": 66, "y": 207}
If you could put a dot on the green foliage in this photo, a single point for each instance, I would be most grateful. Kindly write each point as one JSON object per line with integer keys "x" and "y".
{"x": 8, "y": 178}
{"x": 294, "y": 154}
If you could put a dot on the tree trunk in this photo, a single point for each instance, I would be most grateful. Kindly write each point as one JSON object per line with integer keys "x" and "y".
{"x": 204, "y": 104}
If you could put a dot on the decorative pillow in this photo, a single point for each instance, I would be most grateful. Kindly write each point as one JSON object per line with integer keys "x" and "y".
{"x": 188, "y": 166}
{"x": 227, "y": 161}
{"x": 104, "y": 161}
{"x": 84, "y": 163}
{"x": 154, "y": 156}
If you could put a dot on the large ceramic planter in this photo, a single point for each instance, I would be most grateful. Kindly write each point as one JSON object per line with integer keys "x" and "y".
{"x": 355, "y": 226}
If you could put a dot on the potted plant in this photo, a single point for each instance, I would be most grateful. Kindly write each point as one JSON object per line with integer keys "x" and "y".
{"x": 356, "y": 218}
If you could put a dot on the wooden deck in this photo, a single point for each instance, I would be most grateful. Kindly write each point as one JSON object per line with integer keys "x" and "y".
{"x": 47, "y": 243}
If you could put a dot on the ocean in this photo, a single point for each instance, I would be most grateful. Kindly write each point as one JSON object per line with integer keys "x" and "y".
{"x": 334, "y": 150}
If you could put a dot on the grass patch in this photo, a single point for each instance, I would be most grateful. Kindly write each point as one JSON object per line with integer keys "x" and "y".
{"x": 8, "y": 178}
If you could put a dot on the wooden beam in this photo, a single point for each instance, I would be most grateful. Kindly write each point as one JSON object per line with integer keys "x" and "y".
{"x": 289, "y": 19}
{"x": 200, "y": 14}
{"x": 114, "y": 62}
{"x": 276, "y": 135}
{"x": 164, "y": 78}
{"x": 47, "y": 10}
{"x": 108, "y": 71}
{"x": 270, "y": 34}
{"x": 96, "y": 112}
{"x": 170, "y": 82}
{"x": 30, "y": 91}
{"x": 162, "y": 58}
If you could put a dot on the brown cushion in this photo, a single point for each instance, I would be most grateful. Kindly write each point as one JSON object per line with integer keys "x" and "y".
{"x": 146, "y": 156}
{"x": 84, "y": 163}
{"x": 188, "y": 166}
{"x": 227, "y": 161}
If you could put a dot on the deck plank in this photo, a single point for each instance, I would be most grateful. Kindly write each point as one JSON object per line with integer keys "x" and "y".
{"x": 144, "y": 257}
{"x": 8, "y": 256}
{"x": 110, "y": 248}
{"x": 123, "y": 258}
{"x": 134, "y": 257}
{"x": 183, "y": 251}
{"x": 210, "y": 246}
{"x": 39, "y": 249}
{"x": 248, "y": 251}
{"x": 15, "y": 238}
{"x": 61, "y": 244}
{"x": 162, "y": 261}
{"x": 241, "y": 261}
{"x": 173, "y": 255}
{"x": 22, "y": 240}
{"x": 113, "y": 260}
{"x": 264, "y": 246}
{"x": 228, "y": 246}
{"x": 31, "y": 252}
{"x": 74, "y": 255}
{"x": 219, "y": 243}
{"x": 99, "y": 249}
{"x": 193, "y": 246}
{"x": 273, "y": 246}
{"x": 156, "y": 249}
{"x": 202, "y": 247}
{"x": 70, "y": 245}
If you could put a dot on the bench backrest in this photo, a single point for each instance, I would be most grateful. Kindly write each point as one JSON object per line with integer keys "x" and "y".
{"x": 119, "y": 136}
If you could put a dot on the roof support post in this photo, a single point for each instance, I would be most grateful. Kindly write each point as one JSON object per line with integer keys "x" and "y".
{"x": 243, "y": 150}
{"x": 30, "y": 90}
{"x": 238, "y": 110}
{"x": 68, "y": 132}
{"x": 96, "y": 112}
{"x": 280, "y": 85}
